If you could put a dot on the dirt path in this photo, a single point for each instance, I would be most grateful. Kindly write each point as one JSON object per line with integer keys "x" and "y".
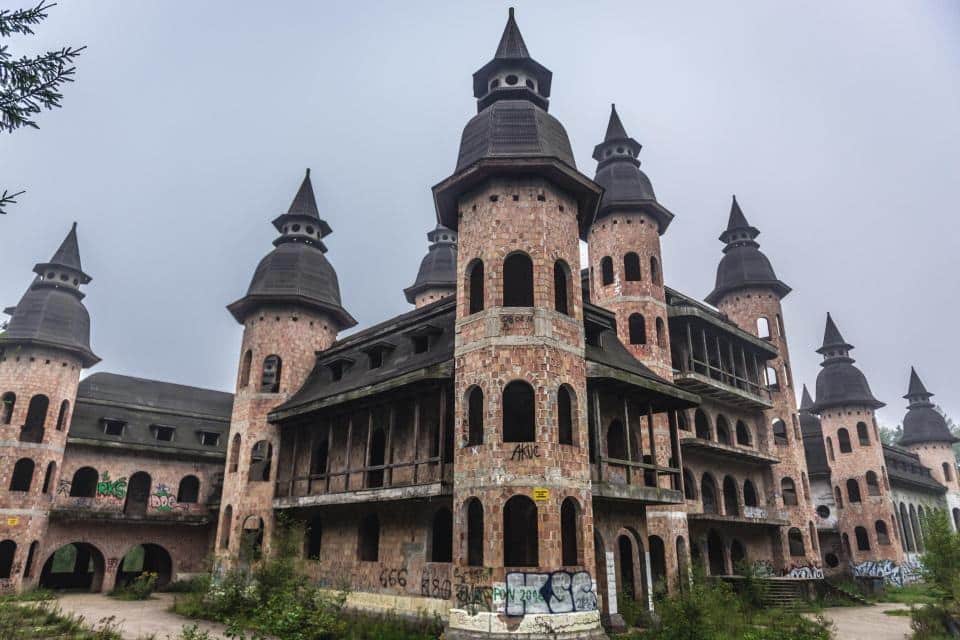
{"x": 869, "y": 623}
{"x": 137, "y": 619}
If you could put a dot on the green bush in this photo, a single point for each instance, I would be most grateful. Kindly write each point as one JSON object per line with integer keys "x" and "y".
{"x": 140, "y": 588}
{"x": 941, "y": 569}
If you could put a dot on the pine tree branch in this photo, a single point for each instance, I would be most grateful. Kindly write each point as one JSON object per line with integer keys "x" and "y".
{"x": 20, "y": 20}
{"x": 8, "y": 198}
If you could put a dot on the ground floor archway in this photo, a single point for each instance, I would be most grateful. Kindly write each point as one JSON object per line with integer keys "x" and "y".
{"x": 77, "y": 566}
{"x": 144, "y": 558}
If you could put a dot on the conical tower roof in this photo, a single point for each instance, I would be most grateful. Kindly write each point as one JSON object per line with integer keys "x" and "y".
{"x": 626, "y": 186}
{"x": 743, "y": 264}
{"x": 303, "y": 212}
{"x": 438, "y": 269}
{"x": 806, "y": 402}
{"x": 512, "y": 74}
{"x": 840, "y": 383}
{"x": 511, "y": 44}
{"x": 922, "y": 422}
{"x": 67, "y": 256}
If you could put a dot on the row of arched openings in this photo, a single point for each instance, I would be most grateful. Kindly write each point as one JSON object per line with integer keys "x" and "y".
{"x": 843, "y": 440}
{"x": 519, "y": 414}
{"x": 270, "y": 372}
{"x": 637, "y": 330}
{"x": 518, "y": 289}
{"x": 853, "y": 489}
{"x": 261, "y": 459}
{"x": 911, "y": 522}
{"x": 711, "y": 498}
{"x": 632, "y": 271}
{"x": 85, "y": 481}
{"x": 33, "y": 426}
{"x": 740, "y": 434}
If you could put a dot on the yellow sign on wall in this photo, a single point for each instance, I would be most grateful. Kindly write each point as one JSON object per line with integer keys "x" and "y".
{"x": 12, "y": 522}
{"x": 541, "y": 494}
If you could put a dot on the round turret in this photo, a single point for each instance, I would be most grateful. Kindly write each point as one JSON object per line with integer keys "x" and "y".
{"x": 840, "y": 383}
{"x": 437, "y": 276}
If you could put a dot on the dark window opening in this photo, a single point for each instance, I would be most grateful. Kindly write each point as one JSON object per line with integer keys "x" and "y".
{"x": 48, "y": 478}
{"x": 441, "y": 549}
{"x": 853, "y": 491}
{"x": 22, "y": 476}
{"x": 319, "y": 458}
{"x": 518, "y": 281}
{"x": 189, "y": 489}
{"x": 475, "y": 275}
{"x": 113, "y": 427}
{"x": 245, "y": 363}
{"x": 570, "y": 532}
{"x": 631, "y": 267}
{"x": 654, "y": 271}
{"x": 689, "y": 488}
{"x": 863, "y": 435}
{"x": 838, "y": 497}
{"x": 378, "y": 454}
{"x": 252, "y": 539}
{"x": 420, "y": 344}
{"x": 6, "y": 411}
{"x": 661, "y": 333}
{"x": 520, "y": 537}
{"x": 882, "y": 536}
{"x": 519, "y": 415}
{"x": 368, "y": 540}
{"x": 730, "y": 503}
{"x": 261, "y": 458}
{"x": 743, "y": 434}
{"x": 31, "y": 555}
{"x": 795, "y": 542}
{"x": 8, "y": 549}
{"x": 560, "y": 287}
{"x": 616, "y": 441}
{"x": 863, "y": 540}
{"x": 226, "y": 526}
{"x": 272, "y": 371}
{"x": 779, "y": 431}
{"x": 701, "y": 425}
{"x": 626, "y": 567}
{"x": 84, "y": 483}
{"x": 33, "y": 428}
{"x": 823, "y": 511}
{"x": 637, "y": 329}
{"x": 62, "y": 416}
{"x": 209, "y": 438}
{"x": 474, "y": 533}
{"x": 789, "y": 492}
{"x": 314, "y": 535}
{"x": 138, "y": 494}
{"x": 565, "y": 415}
{"x": 750, "y": 494}
{"x": 708, "y": 495}
{"x": 843, "y": 439}
{"x": 873, "y": 484}
{"x": 235, "y": 453}
{"x": 723, "y": 430}
{"x": 163, "y": 434}
{"x": 606, "y": 270}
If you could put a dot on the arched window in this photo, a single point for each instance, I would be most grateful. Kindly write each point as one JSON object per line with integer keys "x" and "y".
{"x": 843, "y": 439}
{"x": 245, "y": 363}
{"x": 570, "y": 532}
{"x": 947, "y": 472}
{"x": 906, "y": 530}
{"x": 616, "y": 441}
{"x": 441, "y": 543}
{"x": 519, "y": 415}
{"x": 252, "y": 538}
{"x": 637, "y": 326}
{"x": 474, "y": 416}
{"x": 838, "y": 497}
{"x": 743, "y": 434}
{"x": 737, "y": 555}
{"x": 789, "y": 492}
{"x": 763, "y": 327}
{"x": 475, "y": 279}
{"x": 518, "y": 281}
{"x": 915, "y": 528}
{"x": 62, "y": 416}
{"x": 138, "y": 494}
{"x": 779, "y": 431}
{"x": 235, "y": 453}
{"x": 689, "y": 485}
{"x": 189, "y": 489}
{"x": 561, "y": 293}
{"x": 795, "y": 542}
{"x": 84, "y": 483}
{"x": 701, "y": 425}
{"x": 9, "y": 401}
{"x": 863, "y": 541}
{"x": 314, "y": 538}
{"x": 368, "y": 539}
{"x": 474, "y": 533}
{"x": 830, "y": 449}
{"x": 773, "y": 383}
{"x": 661, "y": 333}
{"x": 750, "y": 494}
{"x": 723, "y": 430}
{"x": 565, "y": 415}
{"x": 22, "y": 476}
{"x": 520, "y": 537}
{"x": 606, "y": 270}
{"x": 853, "y": 491}
{"x": 272, "y": 370}
{"x": 631, "y": 267}
{"x": 882, "y": 536}
{"x": 48, "y": 477}
{"x": 8, "y": 549}
{"x": 225, "y": 526}
{"x": 708, "y": 494}
{"x": 863, "y": 435}
{"x": 730, "y": 502}
{"x": 873, "y": 484}
{"x": 32, "y": 430}
{"x": 261, "y": 457}
{"x": 658, "y": 562}
{"x": 654, "y": 271}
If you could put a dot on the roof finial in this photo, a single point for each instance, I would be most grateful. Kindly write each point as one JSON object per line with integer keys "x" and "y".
{"x": 308, "y": 172}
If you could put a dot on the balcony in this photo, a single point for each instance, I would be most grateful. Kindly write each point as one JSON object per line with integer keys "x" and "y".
{"x": 194, "y": 518}
{"x": 726, "y": 388}
{"x": 725, "y": 452}
{"x": 751, "y": 516}
{"x": 615, "y": 479}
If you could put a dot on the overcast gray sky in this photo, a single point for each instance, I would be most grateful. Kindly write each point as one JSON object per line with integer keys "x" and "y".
{"x": 189, "y": 126}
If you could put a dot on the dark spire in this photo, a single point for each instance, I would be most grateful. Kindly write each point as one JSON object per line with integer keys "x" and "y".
{"x": 68, "y": 255}
{"x": 743, "y": 264}
{"x": 917, "y": 394}
{"x": 512, "y": 74}
{"x": 806, "y": 402}
{"x": 832, "y": 340}
{"x": 302, "y": 221}
{"x": 511, "y": 42}
{"x": 615, "y": 130}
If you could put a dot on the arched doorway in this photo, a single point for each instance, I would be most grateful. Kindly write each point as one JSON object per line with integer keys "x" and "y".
{"x": 718, "y": 565}
{"x": 627, "y": 573}
{"x": 658, "y": 564}
{"x": 138, "y": 494}
{"x": 78, "y": 565}
{"x": 145, "y": 558}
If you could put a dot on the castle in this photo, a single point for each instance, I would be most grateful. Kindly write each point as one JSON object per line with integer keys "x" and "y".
{"x": 527, "y": 448}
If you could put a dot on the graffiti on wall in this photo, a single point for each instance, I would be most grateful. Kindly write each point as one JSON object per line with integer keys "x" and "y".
{"x": 107, "y": 488}
{"x": 435, "y": 584}
{"x": 807, "y": 572}
{"x": 763, "y": 569}
{"x": 892, "y": 573}
{"x": 471, "y": 587}
{"x": 557, "y": 592}
{"x": 162, "y": 500}
{"x": 527, "y": 451}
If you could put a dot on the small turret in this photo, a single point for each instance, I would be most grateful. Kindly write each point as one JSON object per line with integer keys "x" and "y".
{"x": 437, "y": 277}
{"x": 923, "y": 423}
{"x": 840, "y": 383}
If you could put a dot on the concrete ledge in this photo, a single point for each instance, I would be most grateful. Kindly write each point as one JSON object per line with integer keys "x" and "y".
{"x": 405, "y": 606}
{"x": 581, "y": 625}
{"x": 408, "y": 492}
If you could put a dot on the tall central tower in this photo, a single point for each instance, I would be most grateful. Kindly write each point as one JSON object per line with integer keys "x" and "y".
{"x": 520, "y": 205}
